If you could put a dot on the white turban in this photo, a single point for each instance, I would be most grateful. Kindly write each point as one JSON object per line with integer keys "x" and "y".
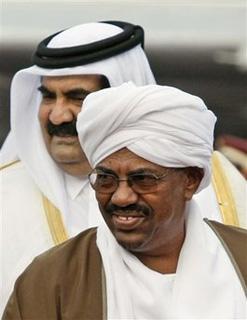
{"x": 161, "y": 124}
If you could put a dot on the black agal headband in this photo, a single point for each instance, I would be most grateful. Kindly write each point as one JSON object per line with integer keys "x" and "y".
{"x": 131, "y": 36}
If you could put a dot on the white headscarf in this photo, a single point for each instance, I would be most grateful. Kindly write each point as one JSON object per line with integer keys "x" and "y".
{"x": 161, "y": 124}
{"x": 131, "y": 65}
{"x": 25, "y": 141}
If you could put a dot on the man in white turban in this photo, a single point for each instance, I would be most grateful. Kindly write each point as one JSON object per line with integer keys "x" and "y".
{"x": 160, "y": 259}
{"x": 45, "y": 191}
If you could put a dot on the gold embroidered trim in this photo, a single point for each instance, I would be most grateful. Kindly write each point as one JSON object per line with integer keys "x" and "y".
{"x": 8, "y": 164}
{"x": 56, "y": 226}
{"x": 53, "y": 215}
{"x": 223, "y": 193}
{"x": 104, "y": 302}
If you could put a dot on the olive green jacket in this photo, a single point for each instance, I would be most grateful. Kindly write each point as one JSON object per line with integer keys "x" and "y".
{"x": 67, "y": 282}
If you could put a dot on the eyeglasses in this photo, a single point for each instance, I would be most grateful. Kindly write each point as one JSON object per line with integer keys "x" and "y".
{"x": 140, "y": 182}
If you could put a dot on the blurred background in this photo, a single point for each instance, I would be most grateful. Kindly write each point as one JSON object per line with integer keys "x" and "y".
{"x": 199, "y": 46}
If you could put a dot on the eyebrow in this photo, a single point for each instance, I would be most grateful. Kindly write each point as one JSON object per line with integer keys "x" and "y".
{"x": 132, "y": 172}
{"x": 75, "y": 91}
{"x": 105, "y": 170}
{"x": 43, "y": 89}
{"x": 143, "y": 171}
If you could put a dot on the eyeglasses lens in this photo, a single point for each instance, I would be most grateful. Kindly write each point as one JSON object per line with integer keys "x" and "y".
{"x": 108, "y": 183}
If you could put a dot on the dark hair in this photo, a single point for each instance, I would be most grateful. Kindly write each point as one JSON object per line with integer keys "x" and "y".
{"x": 104, "y": 82}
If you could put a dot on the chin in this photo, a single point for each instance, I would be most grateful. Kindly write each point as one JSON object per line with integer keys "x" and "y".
{"x": 77, "y": 169}
{"x": 66, "y": 155}
{"x": 130, "y": 242}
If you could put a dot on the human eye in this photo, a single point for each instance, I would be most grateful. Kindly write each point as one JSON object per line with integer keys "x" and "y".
{"x": 46, "y": 94}
{"x": 105, "y": 179}
{"x": 77, "y": 95}
{"x": 143, "y": 179}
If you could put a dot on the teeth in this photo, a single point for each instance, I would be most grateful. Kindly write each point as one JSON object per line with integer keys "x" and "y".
{"x": 124, "y": 218}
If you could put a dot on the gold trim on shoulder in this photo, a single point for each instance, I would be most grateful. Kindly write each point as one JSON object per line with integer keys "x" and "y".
{"x": 53, "y": 215}
{"x": 104, "y": 302}
{"x": 223, "y": 192}
{"x": 9, "y": 164}
{"x": 54, "y": 219}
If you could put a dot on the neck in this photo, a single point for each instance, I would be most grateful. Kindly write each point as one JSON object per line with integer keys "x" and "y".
{"x": 164, "y": 260}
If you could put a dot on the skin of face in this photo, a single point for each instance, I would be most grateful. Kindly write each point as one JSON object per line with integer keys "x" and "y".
{"x": 158, "y": 233}
{"x": 62, "y": 98}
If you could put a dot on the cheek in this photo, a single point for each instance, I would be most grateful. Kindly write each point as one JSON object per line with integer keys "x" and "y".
{"x": 169, "y": 202}
{"x": 77, "y": 109}
{"x": 177, "y": 201}
{"x": 103, "y": 199}
{"x": 43, "y": 114}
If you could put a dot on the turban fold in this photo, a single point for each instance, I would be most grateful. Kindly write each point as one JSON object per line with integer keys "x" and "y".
{"x": 161, "y": 124}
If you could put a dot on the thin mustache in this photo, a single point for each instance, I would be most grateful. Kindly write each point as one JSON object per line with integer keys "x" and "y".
{"x": 113, "y": 209}
{"x": 64, "y": 129}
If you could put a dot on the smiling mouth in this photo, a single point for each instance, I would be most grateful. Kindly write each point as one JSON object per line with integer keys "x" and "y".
{"x": 127, "y": 222}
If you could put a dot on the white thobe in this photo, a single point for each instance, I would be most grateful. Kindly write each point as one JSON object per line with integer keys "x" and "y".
{"x": 25, "y": 230}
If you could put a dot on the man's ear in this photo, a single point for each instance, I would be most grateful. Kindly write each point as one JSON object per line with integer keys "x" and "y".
{"x": 194, "y": 178}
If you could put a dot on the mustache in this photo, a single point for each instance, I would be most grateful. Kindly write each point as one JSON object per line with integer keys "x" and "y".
{"x": 63, "y": 129}
{"x": 112, "y": 208}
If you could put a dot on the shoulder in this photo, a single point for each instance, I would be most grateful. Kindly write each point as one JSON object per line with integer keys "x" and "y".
{"x": 233, "y": 240}
{"x": 221, "y": 163}
{"x": 230, "y": 190}
{"x": 218, "y": 156}
{"x": 10, "y": 165}
{"x": 13, "y": 169}
{"x": 66, "y": 279}
{"x": 77, "y": 259}
{"x": 64, "y": 258}
{"x": 19, "y": 185}
{"x": 17, "y": 180}
{"x": 228, "y": 231}
{"x": 85, "y": 240}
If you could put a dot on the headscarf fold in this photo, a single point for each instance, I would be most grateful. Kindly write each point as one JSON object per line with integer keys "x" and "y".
{"x": 131, "y": 65}
{"x": 25, "y": 141}
{"x": 161, "y": 124}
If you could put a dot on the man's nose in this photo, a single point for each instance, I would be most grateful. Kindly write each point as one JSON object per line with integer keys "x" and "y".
{"x": 61, "y": 112}
{"x": 124, "y": 195}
